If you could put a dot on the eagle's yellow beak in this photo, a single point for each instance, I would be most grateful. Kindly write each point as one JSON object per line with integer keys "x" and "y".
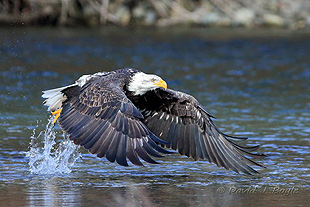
{"x": 161, "y": 84}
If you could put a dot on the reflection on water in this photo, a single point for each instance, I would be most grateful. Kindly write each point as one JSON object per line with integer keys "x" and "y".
{"x": 46, "y": 193}
{"x": 255, "y": 86}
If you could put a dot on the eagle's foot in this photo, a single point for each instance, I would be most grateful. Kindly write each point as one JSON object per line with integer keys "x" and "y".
{"x": 57, "y": 115}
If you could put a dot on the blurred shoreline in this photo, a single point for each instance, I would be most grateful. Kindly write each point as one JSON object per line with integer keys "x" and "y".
{"x": 159, "y": 13}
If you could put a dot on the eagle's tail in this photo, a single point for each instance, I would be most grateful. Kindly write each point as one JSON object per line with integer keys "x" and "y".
{"x": 55, "y": 97}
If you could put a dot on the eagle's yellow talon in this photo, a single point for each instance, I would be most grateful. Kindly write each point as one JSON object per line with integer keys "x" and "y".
{"x": 57, "y": 115}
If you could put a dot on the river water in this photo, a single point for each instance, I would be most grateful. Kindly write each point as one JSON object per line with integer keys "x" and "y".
{"x": 255, "y": 82}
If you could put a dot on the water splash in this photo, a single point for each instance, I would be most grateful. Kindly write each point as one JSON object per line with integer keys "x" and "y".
{"x": 45, "y": 157}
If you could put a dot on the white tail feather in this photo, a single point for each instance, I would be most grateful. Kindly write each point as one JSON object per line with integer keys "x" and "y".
{"x": 55, "y": 97}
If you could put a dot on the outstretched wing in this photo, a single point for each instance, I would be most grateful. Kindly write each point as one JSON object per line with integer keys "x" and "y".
{"x": 103, "y": 120}
{"x": 180, "y": 120}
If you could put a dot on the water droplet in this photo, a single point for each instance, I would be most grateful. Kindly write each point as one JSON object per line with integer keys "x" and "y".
{"x": 45, "y": 157}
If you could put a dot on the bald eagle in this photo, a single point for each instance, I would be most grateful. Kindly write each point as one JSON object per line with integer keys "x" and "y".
{"x": 127, "y": 114}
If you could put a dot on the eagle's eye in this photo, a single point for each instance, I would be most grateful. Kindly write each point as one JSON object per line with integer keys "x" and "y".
{"x": 153, "y": 80}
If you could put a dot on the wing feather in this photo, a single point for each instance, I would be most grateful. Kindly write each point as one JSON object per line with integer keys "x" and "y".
{"x": 106, "y": 142}
{"x": 112, "y": 151}
{"x": 180, "y": 120}
{"x": 121, "y": 151}
{"x": 142, "y": 153}
{"x": 131, "y": 153}
{"x": 193, "y": 144}
{"x": 93, "y": 138}
{"x": 100, "y": 139}
{"x": 150, "y": 150}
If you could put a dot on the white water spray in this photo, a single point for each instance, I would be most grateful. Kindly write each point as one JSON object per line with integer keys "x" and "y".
{"x": 45, "y": 158}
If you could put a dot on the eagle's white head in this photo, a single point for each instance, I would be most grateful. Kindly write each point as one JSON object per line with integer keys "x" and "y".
{"x": 141, "y": 83}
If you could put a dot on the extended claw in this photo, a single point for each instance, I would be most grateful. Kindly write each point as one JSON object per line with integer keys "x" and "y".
{"x": 57, "y": 115}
